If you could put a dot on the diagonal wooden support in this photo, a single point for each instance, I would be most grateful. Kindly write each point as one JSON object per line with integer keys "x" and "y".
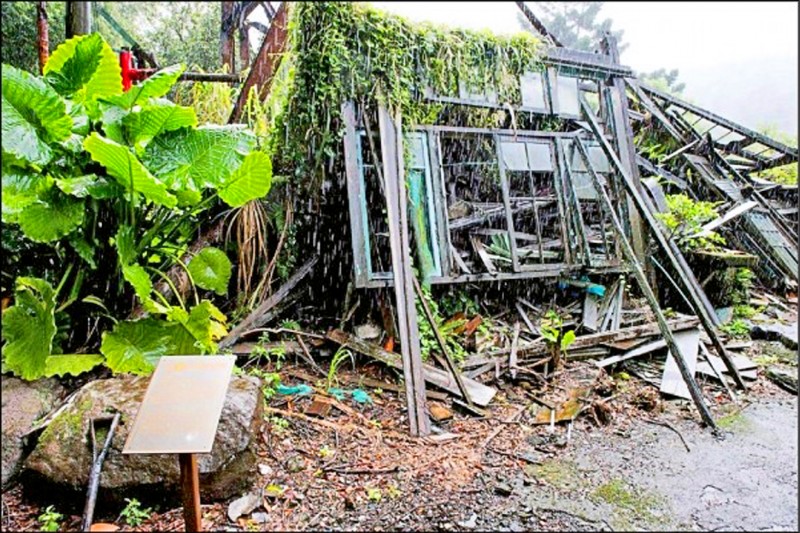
{"x": 665, "y": 244}
{"x": 442, "y": 345}
{"x": 638, "y": 272}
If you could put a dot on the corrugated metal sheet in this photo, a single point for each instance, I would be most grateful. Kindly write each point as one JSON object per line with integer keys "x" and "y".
{"x": 768, "y": 235}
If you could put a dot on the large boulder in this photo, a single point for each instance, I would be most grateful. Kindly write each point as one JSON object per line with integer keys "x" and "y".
{"x": 24, "y": 403}
{"x": 63, "y": 454}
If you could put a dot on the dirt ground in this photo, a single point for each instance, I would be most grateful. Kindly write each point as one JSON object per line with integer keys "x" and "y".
{"x": 356, "y": 469}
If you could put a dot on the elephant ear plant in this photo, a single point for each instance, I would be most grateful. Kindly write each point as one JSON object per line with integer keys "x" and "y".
{"x": 103, "y": 190}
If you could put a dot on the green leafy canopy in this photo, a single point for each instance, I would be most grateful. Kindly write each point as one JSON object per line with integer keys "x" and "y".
{"x": 103, "y": 190}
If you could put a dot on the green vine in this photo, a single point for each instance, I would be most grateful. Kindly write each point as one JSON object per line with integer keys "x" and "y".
{"x": 341, "y": 51}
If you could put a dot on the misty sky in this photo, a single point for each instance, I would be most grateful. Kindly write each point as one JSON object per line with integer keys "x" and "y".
{"x": 738, "y": 59}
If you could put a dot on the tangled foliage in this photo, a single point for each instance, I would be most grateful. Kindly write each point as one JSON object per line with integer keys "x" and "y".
{"x": 102, "y": 192}
{"x": 343, "y": 51}
{"x": 685, "y": 219}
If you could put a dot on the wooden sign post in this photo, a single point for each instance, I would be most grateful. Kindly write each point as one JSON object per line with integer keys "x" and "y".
{"x": 180, "y": 414}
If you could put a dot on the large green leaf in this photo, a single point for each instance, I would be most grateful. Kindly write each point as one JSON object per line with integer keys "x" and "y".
{"x": 251, "y": 180}
{"x": 158, "y": 117}
{"x": 198, "y": 158}
{"x": 211, "y": 270}
{"x": 126, "y": 245}
{"x": 204, "y": 322}
{"x": 21, "y": 189}
{"x": 155, "y": 86}
{"x": 72, "y": 364}
{"x": 84, "y": 67}
{"x": 29, "y": 328}
{"x": 135, "y": 346}
{"x": 52, "y": 217}
{"x": 137, "y": 276}
{"x": 33, "y": 116}
{"x": 123, "y": 165}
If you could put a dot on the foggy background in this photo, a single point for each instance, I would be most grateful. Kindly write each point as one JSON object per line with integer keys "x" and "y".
{"x": 737, "y": 59}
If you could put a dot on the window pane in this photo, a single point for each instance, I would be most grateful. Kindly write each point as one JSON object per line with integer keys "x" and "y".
{"x": 532, "y": 87}
{"x": 417, "y": 148}
{"x": 568, "y": 95}
{"x": 514, "y": 156}
{"x": 539, "y": 157}
{"x": 584, "y": 189}
{"x": 468, "y": 92}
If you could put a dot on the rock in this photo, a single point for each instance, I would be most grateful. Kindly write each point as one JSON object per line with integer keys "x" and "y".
{"x": 259, "y": 518}
{"x": 24, "y": 403}
{"x": 776, "y": 332}
{"x": 264, "y": 470}
{"x": 503, "y": 489}
{"x": 470, "y": 523}
{"x": 440, "y": 412}
{"x": 243, "y": 505}
{"x": 62, "y": 456}
{"x": 368, "y": 331}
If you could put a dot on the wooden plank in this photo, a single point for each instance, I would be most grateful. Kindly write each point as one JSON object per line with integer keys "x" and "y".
{"x": 590, "y": 312}
{"x": 512, "y": 357}
{"x": 459, "y": 261}
{"x": 481, "y": 394}
{"x": 526, "y": 319}
{"x": 261, "y": 314}
{"x": 671, "y": 381}
{"x": 708, "y": 115}
{"x": 440, "y": 201}
{"x": 397, "y": 215}
{"x": 442, "y": 345}
{"x": 512, "y": 242}
{"x": 477, "y": 245}
{"x": 355, "y": 194}
{"x": 664, "y": 243}
{"x": 630, "y": 255}
{"x": 537, "y": 24}
{"x": 727, "y": 217}
{"x": 630, "y": 354}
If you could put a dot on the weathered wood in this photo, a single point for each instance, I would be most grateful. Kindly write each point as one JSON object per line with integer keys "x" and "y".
{"x": 226, "y": 35}
{"x": 397, "y": 216}
{"x": 671, "y": 382}
{"x": 355, "y": 194}
{"x": 512, "y": 357}
{"x": 257, "y": 317}
{"x": 741, "y": 130}
{"x": 665, "y": 244}
{"x": 190, "y": 492}
{"x": 537, "y": 24}
{"x": 442, "y": 345}
{"x": 481, "y": 394}
{"x": 266, "y": 62}
{"x": 694, "y": 389}
{"x": 512, "y": 242}
{"x": 477, "y": 245}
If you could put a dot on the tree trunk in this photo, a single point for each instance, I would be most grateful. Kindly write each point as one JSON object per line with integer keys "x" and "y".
{"x": 43, "y": 34}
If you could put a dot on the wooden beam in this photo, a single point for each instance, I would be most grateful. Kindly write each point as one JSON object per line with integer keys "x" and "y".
{"x": 481, "y": 394}
{"x": 664, "y": 243}
{"x": 638, "y": 272}
{"x": 265, "y": 64}
{"x": 537, "y": 24}
{"x": 397, "y": 215}
{"x": 442, "y": 345}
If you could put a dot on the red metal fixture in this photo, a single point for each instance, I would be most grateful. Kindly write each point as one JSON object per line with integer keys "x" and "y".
{"x": 131, "y": 74}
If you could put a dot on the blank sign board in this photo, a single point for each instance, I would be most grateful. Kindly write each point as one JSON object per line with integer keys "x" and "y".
{"x": 181, "y": 408}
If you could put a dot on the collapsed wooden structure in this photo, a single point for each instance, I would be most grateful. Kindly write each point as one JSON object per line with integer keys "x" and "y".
{"x": 558, "y": 192}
